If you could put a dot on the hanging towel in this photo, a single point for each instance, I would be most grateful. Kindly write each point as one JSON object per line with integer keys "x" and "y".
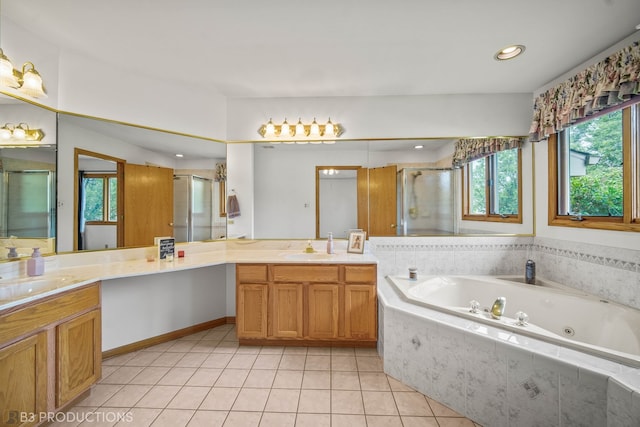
{"x": 233, "y": 208}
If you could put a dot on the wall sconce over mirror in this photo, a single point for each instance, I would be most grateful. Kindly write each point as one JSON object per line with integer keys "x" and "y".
{"x": 301, "y": 133}
{"x": 28, "y": 81}
{"x": 20, "y": 134}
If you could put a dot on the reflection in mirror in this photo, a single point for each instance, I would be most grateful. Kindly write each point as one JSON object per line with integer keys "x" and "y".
{"x": 27, "y": 180}
{"x": 111, "y": 209}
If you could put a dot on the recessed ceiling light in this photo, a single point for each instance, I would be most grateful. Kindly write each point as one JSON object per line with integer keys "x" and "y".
{"x": 179, "y": 155}
{"x": 417, "y": 147}
{"x": 509, "y": 52}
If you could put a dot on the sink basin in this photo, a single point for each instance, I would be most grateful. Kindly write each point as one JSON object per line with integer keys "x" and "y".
{"x": 316, "y": 256}
{"x": 26, "y": 286}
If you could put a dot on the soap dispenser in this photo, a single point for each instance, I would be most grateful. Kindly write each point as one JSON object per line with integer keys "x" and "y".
{"x": 35, "y": 264}
{"x": 330, "y": 244}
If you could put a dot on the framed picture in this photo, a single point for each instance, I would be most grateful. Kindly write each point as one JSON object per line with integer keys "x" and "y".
{"x": 356, "y": 242}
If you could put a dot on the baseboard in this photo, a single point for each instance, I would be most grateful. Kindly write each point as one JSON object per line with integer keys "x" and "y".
{"x": 308, "y": 342}
{"x": 169, "y": 336}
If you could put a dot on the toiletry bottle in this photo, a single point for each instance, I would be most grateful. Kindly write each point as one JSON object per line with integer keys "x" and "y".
{"x": 35, "y": 264}
{"x": 330, "y": 244}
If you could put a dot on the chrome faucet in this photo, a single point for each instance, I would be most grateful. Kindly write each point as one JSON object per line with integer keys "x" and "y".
{"x": 530, "y": 272}
{"x": 497, "y": 309}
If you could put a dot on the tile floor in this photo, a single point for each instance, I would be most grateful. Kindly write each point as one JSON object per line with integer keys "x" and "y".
{"x": 206, "y": 379}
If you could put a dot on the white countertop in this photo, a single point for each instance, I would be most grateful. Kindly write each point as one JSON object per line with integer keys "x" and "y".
{"x": 68, "y": 271}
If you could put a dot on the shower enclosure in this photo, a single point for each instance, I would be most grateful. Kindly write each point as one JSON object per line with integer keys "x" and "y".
{"x": 426, "y": 201}
{"x": 27, "y": 203}
{"x": 192, "y": 208}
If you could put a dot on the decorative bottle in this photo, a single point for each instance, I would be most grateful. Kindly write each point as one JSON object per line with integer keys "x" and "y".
{"x": 35, "y": 264}
{"x": 330, "y": 244}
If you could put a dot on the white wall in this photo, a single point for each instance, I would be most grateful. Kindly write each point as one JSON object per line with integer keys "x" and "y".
{"x": 240, "y": 172}
{"x": 339, "y": 212}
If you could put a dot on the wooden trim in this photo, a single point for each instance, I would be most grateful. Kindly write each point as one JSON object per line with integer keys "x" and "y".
{"x": 306, "y": 342}
{"x": 169, "y": 336}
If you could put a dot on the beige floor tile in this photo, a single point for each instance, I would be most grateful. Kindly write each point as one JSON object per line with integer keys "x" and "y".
{"x": 346, "y": 402}
{"x": 150, "y": 375}
{"x": 217, "y": 360}
{"x": 412, "y": 403}
{"x": 374, "y": 381}
{"x": 204, "y": 377}
{"x": 344, "y": 420}
{"x": 242, "y": 361}
{"x": 343, "y": 363}
{"x": 345, "y": 381}
{"x": 168, "y": 359}
{"x": 315, "y": 401}
{"x": 319, "y": 351}
{"x": 78, "y": 414}
{"x": 173, "y": 418}
{"x": 316, "y": 380}
{"x": 204, "y": 346}
{"x": 272, "y": 349}
{"x": 243, "y": 419}
{"x": 249, "y": 349}
{"x": 454, "y": 422}
{"x": 379, "y": 403}
{"x": 369, "y": 364}
{"x": 283, "y": 400}
{"x": 343, "y": 351}
{"x": 220, "y": 399}
{"x": 119, "y": 360}
{"x": 251, "y": 399}
{"x": 140, "y": 417}
{"x": 215, "y": 334}
{"x": 108, "y": 370}
{"x": 143, "y": 358}
{"x": 105, "y": 417}
{"x": 288, "y": 379}
{"x": 177, "y": 376}
{"x": 366, "y": 351}
{"x": 293, "y": 350}
{"x": 122, "y": 375}
{"x": 232, "y": 378}
{"x": 226, "y": 347}
{"x": 267, "y": 361}
{"x": 158, "y": 397}
{"x": 313, "y": 420}
{"x": 196, "y": 336}
{"x": 440, "y": 410}
{"x": 127, "y": 396}
{"x": 318, "y": 362}
{"x": 192, "y": 360}
{"x": 397, "y": 385}
{"x": 419, "y": 421}
{"x": 181, "y": 346}
{"x": 260, "y": 378}
{"x": 292, "y": 361}
{"x": 100, "y": 393}
{"x": 189, "y": 397}
{"x": 273, "y": 419}
{"x": 208, "y": 419}
{"x": 383, "y": 421}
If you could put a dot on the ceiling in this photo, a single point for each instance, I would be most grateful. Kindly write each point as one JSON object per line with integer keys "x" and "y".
{"x": 286, "y": 48}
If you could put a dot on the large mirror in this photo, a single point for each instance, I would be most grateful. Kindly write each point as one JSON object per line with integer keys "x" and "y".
{"x": 122, "y": 185}
{"x": 27, "y": 178}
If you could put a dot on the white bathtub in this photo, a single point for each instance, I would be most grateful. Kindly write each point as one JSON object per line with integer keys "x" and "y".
{"x": 556, "y": 314}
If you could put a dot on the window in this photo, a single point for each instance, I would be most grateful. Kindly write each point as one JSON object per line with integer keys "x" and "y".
{"x": 492, "y": 187}
{"x": 101, "y": 195}
{"x": 593, "y": 172}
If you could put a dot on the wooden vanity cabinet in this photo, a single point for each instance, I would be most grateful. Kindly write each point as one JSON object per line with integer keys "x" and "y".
{"x": 50, "y": 353}
{"x": 321, "y": 303}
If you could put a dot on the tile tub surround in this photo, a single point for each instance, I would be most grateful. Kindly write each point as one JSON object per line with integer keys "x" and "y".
{"x": 498, "y": 378}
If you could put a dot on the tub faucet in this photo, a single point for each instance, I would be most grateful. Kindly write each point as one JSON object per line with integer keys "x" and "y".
{"x": 497, "y": 309}
{"x": 530, "y": 272}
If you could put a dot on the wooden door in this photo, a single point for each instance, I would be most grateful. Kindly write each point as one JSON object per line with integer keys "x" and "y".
{"x": 148, "y": 204}
{"x": 363, "y": 199}
{"x": 251, "y": 311}
{"x": 323, "y": 311}
{"x": 23, "y": 381}
{"x": 382, "y": 201}
{"x": 79, "y": 358}
{"x": 286, "y": 310}
{"x": 360, "y": 311}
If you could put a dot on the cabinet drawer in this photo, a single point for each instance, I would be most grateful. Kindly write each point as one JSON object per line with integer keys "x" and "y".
{"x": 359, "y": 273}
{"x": 251, "y": 273}
{"x": 306, "y": 273}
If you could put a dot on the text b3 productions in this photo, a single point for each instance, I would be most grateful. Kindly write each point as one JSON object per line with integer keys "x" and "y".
{"x": 19, "y": 417}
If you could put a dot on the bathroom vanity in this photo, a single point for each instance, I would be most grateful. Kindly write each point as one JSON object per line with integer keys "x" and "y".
{"x": 306, "y": 304}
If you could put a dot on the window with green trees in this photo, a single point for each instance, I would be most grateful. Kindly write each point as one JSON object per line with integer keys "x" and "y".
{"x": 101, "y": 195}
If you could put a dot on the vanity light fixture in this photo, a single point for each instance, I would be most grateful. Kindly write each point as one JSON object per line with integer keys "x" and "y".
{"x": 509, "y": 52}
{"x": 301, "y": 133}
{"x": 27, "y": 81}
{"x": 418, "y": 147}
{"x": 20, "y": 134}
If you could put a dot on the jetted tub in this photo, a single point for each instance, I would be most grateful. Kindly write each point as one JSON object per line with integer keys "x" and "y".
{"x": 555, "y": 313}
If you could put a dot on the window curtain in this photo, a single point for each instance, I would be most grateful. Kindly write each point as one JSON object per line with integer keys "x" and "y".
{"x": 470, "y": 149}
{"x": 604, "y": 85}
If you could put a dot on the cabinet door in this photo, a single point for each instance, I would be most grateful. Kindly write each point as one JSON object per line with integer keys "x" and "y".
{"x": 285, "y": 316}
{"x": 251, "y": 311}
{"x": 79, "y": 355}
{"x": 360, "y": 311}
{"x": 323, "y": 311}
{"x": 23, "y": 381}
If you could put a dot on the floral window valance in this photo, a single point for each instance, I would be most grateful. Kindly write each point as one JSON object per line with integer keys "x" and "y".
{"x": 221, "y": 172}
{"x": 470, "y": 149}
{"x": 601, "y": 86}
